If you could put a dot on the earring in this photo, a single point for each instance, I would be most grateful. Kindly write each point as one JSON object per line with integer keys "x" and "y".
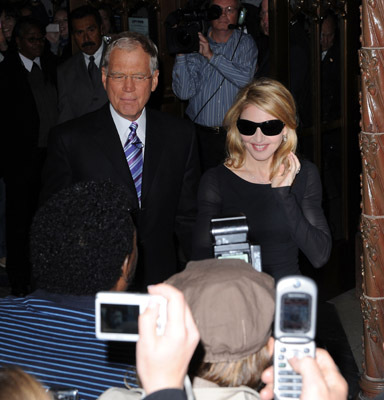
{"x": 284, "y": 138}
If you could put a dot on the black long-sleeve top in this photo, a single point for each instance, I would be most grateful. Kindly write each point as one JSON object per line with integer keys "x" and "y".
{"x": 281, "y": 220}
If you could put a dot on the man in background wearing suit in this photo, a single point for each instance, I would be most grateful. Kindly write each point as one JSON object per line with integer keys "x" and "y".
{"x": 79, "y": 78}
{"x": 152, "y": 153}
{"x": 28, "y": 112}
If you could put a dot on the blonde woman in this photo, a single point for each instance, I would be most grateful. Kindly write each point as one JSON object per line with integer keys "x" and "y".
{"x": 263, "y": 178}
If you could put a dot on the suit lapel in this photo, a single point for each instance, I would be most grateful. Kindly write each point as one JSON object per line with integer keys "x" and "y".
{"x": 154, "y": 147}
{"x": 107, "y": 137}
{"x": 82, "y": 71}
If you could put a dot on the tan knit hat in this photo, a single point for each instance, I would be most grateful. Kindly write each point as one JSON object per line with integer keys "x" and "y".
{"x": 233, "y": 306}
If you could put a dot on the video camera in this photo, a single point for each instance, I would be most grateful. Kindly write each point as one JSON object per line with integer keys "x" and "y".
{"x": 230, "y": 240}
{"x": 182, "y": 27}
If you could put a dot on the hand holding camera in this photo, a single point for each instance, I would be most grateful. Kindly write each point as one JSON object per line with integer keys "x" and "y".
{"x": 162, "y": 361}
{"x": 204, "y": 49}
{"x": 117, "y": 314}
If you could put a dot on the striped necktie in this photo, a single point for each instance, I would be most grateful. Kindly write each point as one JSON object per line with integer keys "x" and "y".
{"x": 133, "y": 150}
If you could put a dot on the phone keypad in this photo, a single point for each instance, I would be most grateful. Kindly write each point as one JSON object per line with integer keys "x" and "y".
{"x": 288, "y": 381}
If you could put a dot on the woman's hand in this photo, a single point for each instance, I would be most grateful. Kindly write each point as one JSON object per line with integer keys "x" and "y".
{"x": 286, "y": 176}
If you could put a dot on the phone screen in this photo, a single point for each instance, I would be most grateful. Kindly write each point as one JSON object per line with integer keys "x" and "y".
{"x": 296, "y": 313}
{"x": 119, "y": 318}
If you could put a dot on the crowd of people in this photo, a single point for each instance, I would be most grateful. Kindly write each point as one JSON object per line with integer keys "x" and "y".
{"x": 105, "y": 193}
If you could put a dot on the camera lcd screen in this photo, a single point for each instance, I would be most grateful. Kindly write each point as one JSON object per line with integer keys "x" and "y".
{"x": 296, "y": 312}
{"x": 119, "y": 318}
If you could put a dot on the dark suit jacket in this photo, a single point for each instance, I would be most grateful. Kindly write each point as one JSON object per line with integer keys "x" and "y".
{"x": 20, "y": 120}
{"x": 77, "y": 96}
{"x": 89, "y": 148}
{"x": 21, "y": 159}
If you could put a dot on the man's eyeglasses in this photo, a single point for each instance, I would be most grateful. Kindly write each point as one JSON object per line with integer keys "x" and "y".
{"x": 269, "y": 128}
{"x": 228, "y": 10}
{"x": 135, "y": 77}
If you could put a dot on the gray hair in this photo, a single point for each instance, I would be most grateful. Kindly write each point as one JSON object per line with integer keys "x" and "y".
{"x": 130, "y": 41}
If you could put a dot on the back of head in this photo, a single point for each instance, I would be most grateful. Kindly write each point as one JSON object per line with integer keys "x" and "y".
{"x": 15, "y": 384}
{"x": 80, "y": 238}
{"x": 85, "y": 11}
{"x": 233, "y": 306}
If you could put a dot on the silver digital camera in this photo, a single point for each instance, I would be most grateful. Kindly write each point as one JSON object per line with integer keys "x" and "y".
{"x": 117, "y": 314}
{"x": 230, "y": 240}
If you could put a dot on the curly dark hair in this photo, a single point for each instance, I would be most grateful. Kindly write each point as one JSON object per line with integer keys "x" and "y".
{"x": 80, "y": 238}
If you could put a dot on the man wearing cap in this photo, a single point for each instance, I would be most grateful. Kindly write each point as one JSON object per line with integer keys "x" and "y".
{"x": 210, "y": 287}
{"x": 233, "y": 306}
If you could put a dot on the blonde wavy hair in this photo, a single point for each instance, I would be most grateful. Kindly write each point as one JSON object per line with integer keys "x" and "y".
{"x": 273, "y": 98}
{"x": 246, "y": 372}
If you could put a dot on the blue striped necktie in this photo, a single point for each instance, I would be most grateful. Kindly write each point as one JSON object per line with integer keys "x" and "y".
{"x": 133, "y": 150}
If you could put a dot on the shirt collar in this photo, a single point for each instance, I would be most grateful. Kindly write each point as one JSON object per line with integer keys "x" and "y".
{"x": 123, "y": 124}
{"x": 28, "y": 64}
{"x": 97, "y": 55}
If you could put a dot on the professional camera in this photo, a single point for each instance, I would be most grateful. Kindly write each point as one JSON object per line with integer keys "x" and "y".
{"x": 182, "y": 27}
{"x": 230, "y": 240}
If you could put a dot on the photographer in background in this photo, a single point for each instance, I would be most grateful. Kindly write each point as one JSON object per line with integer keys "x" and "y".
{"x": 60, "y": 40}
{"x": 211, "y": 78}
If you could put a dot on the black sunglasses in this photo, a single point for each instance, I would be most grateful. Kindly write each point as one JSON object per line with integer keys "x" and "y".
{"x": 269, "y": 128}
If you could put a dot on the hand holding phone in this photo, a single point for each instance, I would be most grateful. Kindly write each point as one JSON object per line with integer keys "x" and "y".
{"x": 294, "y": 331}
{"x": 52, "y": 28}
{"x": 321, "y": 378}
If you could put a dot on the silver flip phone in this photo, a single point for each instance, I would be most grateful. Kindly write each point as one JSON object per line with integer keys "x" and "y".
{"x": 294, "y": 331}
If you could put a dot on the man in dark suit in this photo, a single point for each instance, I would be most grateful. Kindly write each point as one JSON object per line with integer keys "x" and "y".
{"x": 79, "y": 78}
{"x": 162, "y": 183}
{"x": 28, "y": 112}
